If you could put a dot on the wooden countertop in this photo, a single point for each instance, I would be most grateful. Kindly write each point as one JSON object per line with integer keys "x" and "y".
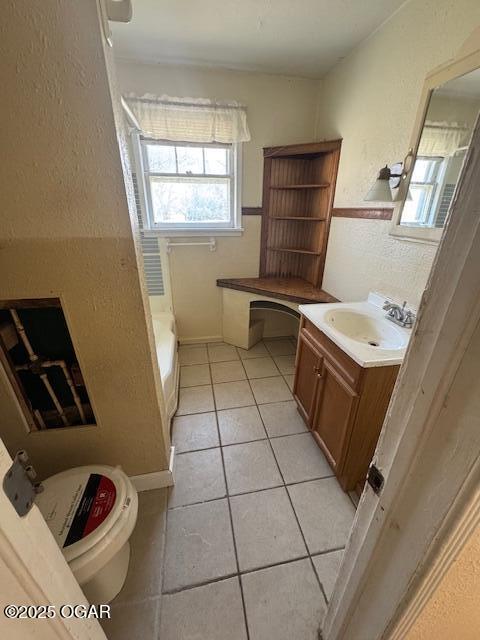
{"x": 291, "y": 289}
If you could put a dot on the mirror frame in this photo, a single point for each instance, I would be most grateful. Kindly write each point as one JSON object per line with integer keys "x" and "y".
{"x": 468, "y": 59}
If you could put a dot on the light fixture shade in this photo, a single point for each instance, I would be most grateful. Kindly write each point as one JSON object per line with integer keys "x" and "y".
{"x": 380, "y": 192}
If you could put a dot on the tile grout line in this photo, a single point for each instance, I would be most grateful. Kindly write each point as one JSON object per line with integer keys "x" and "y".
{"x": 244, "y": 493}
{"x": 296, "y": 516}
{"x": 229, "y": 576}
{"x": 327, "y": 551}
{"x": 227, "y": 497}
{"x": 235, "y": 550}
{"x": 165, "y": 544}
{"x": 158, "y": 621}
{"x": 181, "y": 415}
{"x": 239, "y": 573}
{"x": 243, "y": 406}
{"x": 234, "y": 444}
{"x": 301, "y": 530}
{"x": 203, "y": 583}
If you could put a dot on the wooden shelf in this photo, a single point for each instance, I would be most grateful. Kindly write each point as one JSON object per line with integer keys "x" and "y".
{"x": 298, "y": 189}
{"x": 288, "y": 250}
{"x": 321, "y": 185}
{"x": 300, "y": 218}
{"x": 292, "y": 289}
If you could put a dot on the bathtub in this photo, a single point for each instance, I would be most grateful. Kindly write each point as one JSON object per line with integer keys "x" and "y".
{"x": 165, "y": 334}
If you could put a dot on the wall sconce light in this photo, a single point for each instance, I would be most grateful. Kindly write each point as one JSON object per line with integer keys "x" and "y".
{"x": 381, "y": 190}
{"x": 389, "y": 178}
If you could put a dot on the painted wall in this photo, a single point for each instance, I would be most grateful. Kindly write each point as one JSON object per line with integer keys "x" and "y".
{"x": 370, "y": 100}
{"x": 65, "y": 231}
{"x": 281, "y": 110}
{"x": 453, "y": 611}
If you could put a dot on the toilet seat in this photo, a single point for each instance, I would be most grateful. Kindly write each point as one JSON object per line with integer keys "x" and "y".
{"x": 91, "y": 512}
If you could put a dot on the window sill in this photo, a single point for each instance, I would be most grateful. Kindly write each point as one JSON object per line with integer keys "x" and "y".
{"x": 192, "y": 233}
{"x": 421, "y": 235}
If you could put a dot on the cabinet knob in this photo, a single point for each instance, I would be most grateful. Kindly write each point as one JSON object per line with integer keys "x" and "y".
{"x": 317, "y": 370}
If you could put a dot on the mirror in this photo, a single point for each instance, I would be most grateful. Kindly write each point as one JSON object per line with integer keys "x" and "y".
{"x": 443, "y": 141}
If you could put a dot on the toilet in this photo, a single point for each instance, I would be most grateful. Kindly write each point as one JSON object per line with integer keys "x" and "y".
{"x": 91, "y": 512}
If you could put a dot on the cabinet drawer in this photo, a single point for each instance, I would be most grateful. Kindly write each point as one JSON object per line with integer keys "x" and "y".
{"x": 348, "y": 368}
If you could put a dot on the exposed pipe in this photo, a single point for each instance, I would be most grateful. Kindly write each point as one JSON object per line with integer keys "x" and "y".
{"x": 63, "y": 365}
{"x": 39, "y": 417}
{"x": 23, "y": 336}
{"x": 58, "y": 406}
{"x": 34, "y": 358}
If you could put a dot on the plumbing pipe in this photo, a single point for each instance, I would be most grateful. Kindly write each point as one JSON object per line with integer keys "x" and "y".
{"x": 34, "y": 358}
{"x": 39, "y": 417}
{"x": 23, "y": 335}
{"x": 58, "y": 406}
{"x": 63, "y": 365}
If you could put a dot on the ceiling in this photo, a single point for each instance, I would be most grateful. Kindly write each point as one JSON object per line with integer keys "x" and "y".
{"x": 290, "y": 37}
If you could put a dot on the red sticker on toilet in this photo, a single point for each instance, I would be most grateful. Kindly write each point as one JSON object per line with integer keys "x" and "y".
{"x": 95, "y": 504}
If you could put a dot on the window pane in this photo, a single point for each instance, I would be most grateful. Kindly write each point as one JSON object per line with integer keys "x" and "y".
{"x": 190, "y": 159}
{"x": 415, "y": 211}
{"x": 216, "y": 161}
{"x": 190, "y": 200}
{"x": 161, "y": 158}
{"x": 425, "y": 169}
{"x": 420, "y": 170}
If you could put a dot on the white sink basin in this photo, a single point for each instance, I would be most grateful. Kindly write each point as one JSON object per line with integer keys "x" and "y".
{"x": 373, "y": 331}
{"x": 361, "y": 330}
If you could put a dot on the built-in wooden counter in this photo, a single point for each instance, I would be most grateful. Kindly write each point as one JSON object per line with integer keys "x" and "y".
{"x": 292, "y": 289}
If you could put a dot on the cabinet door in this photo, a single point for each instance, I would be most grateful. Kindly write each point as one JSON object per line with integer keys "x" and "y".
{"x": 307, "y": 375}
{"x": 334, "y": 415}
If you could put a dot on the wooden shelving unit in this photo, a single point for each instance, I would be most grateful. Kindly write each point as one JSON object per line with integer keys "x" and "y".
{"x": 298, "y": 188}
{"x": 302, "y": 218}
{"x": 325, "y": 185}
{"x": 292, "y": 250}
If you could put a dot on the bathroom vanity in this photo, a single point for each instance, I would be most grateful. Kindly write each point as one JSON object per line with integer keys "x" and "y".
{"x": 348, "y": 357}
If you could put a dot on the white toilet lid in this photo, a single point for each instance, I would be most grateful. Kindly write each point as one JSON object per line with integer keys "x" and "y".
{"x": 81, "y": 505}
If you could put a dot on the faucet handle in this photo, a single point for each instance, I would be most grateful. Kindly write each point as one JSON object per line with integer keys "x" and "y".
{"x": 409, "y": 319}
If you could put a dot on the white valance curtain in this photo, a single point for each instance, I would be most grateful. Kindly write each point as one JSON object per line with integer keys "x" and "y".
{"x": 190, "y": 119}
{"x": 442, "y": 138}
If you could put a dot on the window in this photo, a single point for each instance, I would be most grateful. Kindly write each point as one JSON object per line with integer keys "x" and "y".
{"x": 189, "y": 186}
{"x": 423, "y": 191}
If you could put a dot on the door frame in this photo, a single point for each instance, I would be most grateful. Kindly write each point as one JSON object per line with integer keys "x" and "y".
{"x": 397, "y": 552}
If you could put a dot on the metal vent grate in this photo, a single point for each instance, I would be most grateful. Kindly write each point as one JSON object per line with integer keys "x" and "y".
{"x": 151, "y": 252}
{"x": 444, "y": 206}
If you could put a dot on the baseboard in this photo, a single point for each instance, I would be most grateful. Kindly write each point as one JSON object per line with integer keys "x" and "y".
{"x": 156, "y": 479}
{"x": 201, "y": 339}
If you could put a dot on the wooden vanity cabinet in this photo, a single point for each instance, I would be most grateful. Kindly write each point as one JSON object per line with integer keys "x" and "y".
{"x": 309, "y": 363}
{"x": 343, "y": 404}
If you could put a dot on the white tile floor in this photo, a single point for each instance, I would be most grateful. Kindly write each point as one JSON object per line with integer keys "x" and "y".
{"x": 256, "y": 523}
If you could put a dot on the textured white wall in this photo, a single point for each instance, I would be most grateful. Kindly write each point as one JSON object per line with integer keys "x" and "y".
{"x": 370, "y": 100}
{"x": 453, "y": 611}
{"x": 281, "y": 110}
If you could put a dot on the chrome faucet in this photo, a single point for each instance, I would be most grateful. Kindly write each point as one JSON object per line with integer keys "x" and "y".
{"x": 399, "y": 314}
